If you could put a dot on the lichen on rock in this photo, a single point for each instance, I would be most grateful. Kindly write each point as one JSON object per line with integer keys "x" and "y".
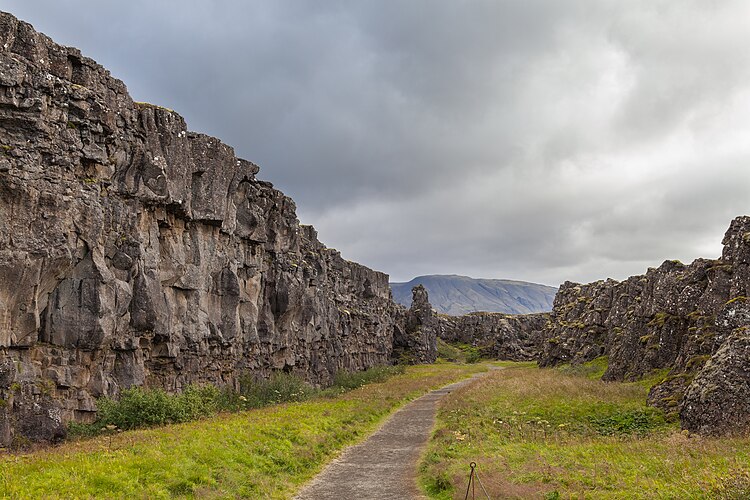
{"x": 688, "y": 319}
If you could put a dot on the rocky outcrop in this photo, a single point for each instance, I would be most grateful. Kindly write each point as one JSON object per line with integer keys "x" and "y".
{"x": 135, "y": 252}
{"x": 665, "y": 319}
{"x": 498, "y": 336}
{"x": 415, "y": 337}
{"x": 674, "y": 318}
{"x": 718, "y": 399}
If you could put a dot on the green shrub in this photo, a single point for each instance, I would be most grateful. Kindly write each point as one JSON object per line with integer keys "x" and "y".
{"x": 196, "y": 402}
{"x": 139, "y": 407}
{"x": 639, "y": 421}
{"x": 473, "y": 355}
{"x": 458, "y": 352}
{"x": 449, "y": 352}
{"x": 279, "y": 388}
{"x": 230, "y": 400}
{"x": 353, "y": 380}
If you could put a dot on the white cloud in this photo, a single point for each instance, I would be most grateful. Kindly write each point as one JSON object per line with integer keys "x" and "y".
{"x": 529, "y": 139}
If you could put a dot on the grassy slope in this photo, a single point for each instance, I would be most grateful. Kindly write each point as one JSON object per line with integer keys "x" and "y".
{"x": 551, "y": 434}
{"x": 265, "y": 453}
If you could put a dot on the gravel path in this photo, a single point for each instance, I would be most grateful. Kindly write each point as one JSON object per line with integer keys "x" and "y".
{"x": 385, "y": 465}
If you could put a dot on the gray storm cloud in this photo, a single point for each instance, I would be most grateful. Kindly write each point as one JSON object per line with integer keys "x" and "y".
{"x": 535, "y": 140}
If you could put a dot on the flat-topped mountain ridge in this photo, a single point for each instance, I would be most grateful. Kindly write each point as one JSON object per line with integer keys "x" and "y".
{"x": 457, "y": 295}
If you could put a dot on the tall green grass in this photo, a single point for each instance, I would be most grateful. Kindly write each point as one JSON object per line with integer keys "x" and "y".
{"x": 140, "y": 407}
{"x": 593, "y": 369}
{"x": 457, "y": 352}
{"x": 563, "y": 434}
{"x": 347, "y": 381}
{"x": 259, "y": 453}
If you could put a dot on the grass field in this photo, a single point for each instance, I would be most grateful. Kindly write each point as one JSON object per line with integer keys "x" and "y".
{"x": 559, "y": 433}
{"x": 533, "y": 433}
{"x": 262, "y": 453}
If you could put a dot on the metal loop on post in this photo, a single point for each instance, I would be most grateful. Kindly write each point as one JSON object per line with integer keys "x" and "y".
{"x": 474, "y": 478}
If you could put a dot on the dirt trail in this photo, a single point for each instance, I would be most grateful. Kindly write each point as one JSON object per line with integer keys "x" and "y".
{"x": 385, "y": 465}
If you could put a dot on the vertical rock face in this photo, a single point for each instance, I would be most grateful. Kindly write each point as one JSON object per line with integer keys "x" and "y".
{"x": 415, "y": 337}
{"x": 676, "y": 317}
{"x": 497, "y": 335}
{"x": 135, "y": 252}
{"x": 718, "y": 399}
{"x": 665, "y": 319}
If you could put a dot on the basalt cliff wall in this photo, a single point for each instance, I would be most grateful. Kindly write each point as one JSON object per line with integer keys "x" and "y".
{"x": 416, "y": 332}
{"x": 690, "y": 324}
{"x": 497, "y": 335}
{"x": 691, "y": 321}
{"x": 135, "y": 252}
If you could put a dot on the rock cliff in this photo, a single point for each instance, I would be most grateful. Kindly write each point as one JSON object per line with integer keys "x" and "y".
{"x": 497, "y": 335}
{"x": 136, "y": 252}
{"x": 415, "y": 336}
{"x": 688, "y": 319}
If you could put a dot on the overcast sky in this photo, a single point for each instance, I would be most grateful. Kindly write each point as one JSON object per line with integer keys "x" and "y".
{"x": 534, "y": 140}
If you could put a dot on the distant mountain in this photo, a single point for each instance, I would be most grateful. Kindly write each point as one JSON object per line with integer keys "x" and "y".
{"x": 458, "y": 295}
